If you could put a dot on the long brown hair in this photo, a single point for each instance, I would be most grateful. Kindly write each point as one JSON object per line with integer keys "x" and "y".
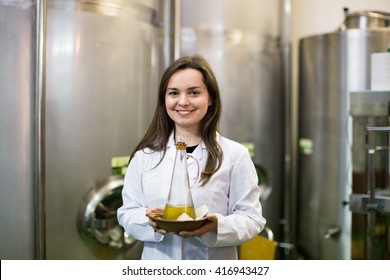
{"x": 161, "y": 126}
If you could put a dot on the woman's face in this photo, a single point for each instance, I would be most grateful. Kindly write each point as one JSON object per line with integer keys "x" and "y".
{"x": 187, "y": 99}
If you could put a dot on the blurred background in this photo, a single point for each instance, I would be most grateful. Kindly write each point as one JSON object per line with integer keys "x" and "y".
{"x": 304, "y": 84}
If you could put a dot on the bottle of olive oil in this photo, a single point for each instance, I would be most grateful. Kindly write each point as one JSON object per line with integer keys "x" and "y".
{"x": 180, "y": 198}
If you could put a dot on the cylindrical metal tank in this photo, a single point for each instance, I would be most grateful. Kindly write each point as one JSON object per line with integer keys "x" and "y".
{"x": 16, "y": 131}
{"x": 330, "y": 67}
{"x": 99, "y": 67}
{"x": 243, "y": 47}
{"x": 100, "y": 71}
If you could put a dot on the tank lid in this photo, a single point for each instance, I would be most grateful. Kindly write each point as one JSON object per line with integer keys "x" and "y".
{"x": 364, "y": 19}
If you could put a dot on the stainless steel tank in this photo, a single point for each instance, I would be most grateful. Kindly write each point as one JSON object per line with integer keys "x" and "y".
{"x": 98, "y": 104}
{"x": 100, "y": 58}
{"x": 331, "y": 66}
{"x": 17, "y": 219}
{"x": 242, "y": 44}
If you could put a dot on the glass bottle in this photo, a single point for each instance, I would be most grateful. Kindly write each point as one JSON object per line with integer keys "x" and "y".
{"x": 180, "y": 198}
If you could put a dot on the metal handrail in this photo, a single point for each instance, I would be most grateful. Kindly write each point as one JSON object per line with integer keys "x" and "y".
{"x": 39, "y": 129}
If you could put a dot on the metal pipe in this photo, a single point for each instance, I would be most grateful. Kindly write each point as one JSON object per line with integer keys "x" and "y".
{"x": 168, "y": 32}
{"x": 39, "y": 129}
{"x": 288, "y": 181}
{"x": 372, "y": 206}
{"x": 378, "y": 128}
{"x": 171, "y": 34}
{"x": 177, "y": 29}
{"x": 371, "y": 178}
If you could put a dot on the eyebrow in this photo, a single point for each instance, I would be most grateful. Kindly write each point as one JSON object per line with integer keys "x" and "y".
{"x": 190, "y": 88}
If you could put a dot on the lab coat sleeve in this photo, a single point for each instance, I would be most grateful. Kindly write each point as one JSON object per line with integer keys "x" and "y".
{"x": 132, "y": 214}
{"x": 244, "y": 220}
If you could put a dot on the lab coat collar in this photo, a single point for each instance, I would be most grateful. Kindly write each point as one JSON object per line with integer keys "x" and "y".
{"x": 198, "y": 153}
{"x": 171, "y": 141}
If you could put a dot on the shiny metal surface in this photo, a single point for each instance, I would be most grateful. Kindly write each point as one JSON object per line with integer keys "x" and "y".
{"x": 241, "y": 44}
{"x": 170, "y": 11}
{"x": 97, "y": 222}
{"x": 289, "y": 137}
{"x": 100, "y": 83}
{"x": 330, "y": 67}
{"x": 101, "y": 57}
{"x": 39, "y": 128}
{"x": 366, "y": 19}
{"x": 370, "y": 200}
{"x": 369, "y": 103}
{"x": 360, "y": 203}
{"x": 99, "y": 102}
{"x": 16, "y": 131}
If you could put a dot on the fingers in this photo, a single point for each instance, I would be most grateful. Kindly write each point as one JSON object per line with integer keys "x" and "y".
{"x": 210, "y": 226}
{"x": 161, "y": 231}
{"x": 157, "y": 211}
{"x": 198, "y": 232}
{"x": 153, "y": 212}
{"x": 156, "y": 228}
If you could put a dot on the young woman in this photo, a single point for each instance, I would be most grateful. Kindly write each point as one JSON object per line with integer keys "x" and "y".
{"x": 189, "y": 108}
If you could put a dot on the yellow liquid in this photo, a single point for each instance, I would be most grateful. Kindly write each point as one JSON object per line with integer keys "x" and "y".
{"x": 173, "y": 212}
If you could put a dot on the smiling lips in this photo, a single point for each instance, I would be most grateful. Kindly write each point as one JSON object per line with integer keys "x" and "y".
{"x": 184, "y": 112}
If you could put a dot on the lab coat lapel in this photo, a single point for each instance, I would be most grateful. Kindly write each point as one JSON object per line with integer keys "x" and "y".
{"x": 171, "y": 149}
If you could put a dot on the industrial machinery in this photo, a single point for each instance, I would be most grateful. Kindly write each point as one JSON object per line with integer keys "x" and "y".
{"x": 370, "y": 200}
{"x": 332, "y": 161}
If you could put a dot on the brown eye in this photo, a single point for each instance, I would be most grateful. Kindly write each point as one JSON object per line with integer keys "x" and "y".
{"x": 195, "y": 92}
{"x": 172, "y": 93}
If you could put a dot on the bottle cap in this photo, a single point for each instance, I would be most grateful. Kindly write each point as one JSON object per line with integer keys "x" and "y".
{"x": 181, "y": 146}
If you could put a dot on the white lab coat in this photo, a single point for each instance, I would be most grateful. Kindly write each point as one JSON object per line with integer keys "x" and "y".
{"x": 232, "y": 194}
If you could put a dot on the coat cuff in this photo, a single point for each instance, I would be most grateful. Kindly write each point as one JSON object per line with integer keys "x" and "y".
{"x": 210, "y": 239}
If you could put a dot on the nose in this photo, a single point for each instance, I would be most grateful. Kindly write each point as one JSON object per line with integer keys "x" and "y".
{"x": 183, "y": 101}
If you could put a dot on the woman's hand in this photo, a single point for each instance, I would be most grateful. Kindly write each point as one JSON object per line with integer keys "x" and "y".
{"x": 156, "y": 211}
{"x": 211, "y": 225}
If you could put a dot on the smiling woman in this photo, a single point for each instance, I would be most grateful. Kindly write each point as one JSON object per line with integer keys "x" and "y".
{"x": 187, "y": 101}
{"x": 188, "y": 109}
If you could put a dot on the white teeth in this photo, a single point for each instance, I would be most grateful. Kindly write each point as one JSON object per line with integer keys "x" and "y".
{"x": 183, "y": 112}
